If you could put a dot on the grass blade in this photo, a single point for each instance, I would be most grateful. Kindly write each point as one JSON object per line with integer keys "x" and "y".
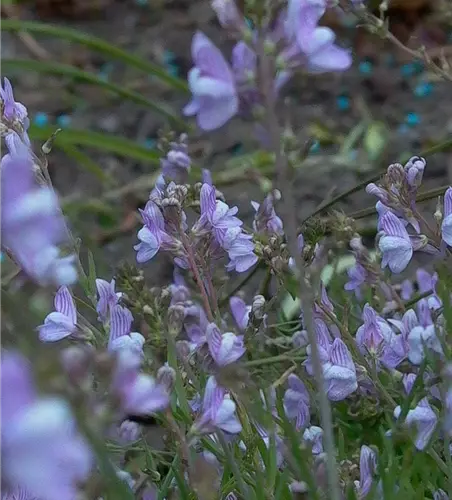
{"x": 65, "y": 70}
{"x": 98, "y": 140}
{"x": 96, "y": 44}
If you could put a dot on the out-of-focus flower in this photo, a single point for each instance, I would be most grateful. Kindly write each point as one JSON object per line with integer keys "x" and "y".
{"x": 426, "y": 283}
{"x": 440, "y": 495}
{"x": 357, "y": 277}
{"x": 240, "y": 312}
{"x": 394, "y": 244}
{"x": 224, "y": 348}
{"x": 376, "y": 338}
{"x": 446, "y": 226}
{"x": 211, "y": 82}
{"x": 228, "y": 14}
{"x": 423, "y": 335}
{"x": 63, "y": 321}
{"x": 14, "y": 119}
{"x": 423, "y": 419}
{"x": 32, "y": 224}
{"x": 296, "y": 402}
{"x": 138, "y": 393}
{"x": 314, "y": 436}
{"x": 176, "y": 165}
{"x": 407, "y": 290}
{"x": 108, "y": 297}
{"x": 367, "y": 469}
{"x": 120, "y": 335}
{"x": 266, "y": 221}
{"x": 38, "y": 436}
{"x": 314, "y": 43}
{"x": 240, "y": 249}
{"x": 218, "y": 411}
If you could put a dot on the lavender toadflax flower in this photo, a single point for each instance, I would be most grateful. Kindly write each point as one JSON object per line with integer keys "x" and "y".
{"x": 32, "y": 224}
{"x": 394, "y": 244}
{"x": 138, "y": 393}
{"x": 422, "y": 418}
{"x": 314, "y": 436}
{"x": 339, "y": 372}
{"x": 63, "y": 321}
{"x": 446, "y": 226}
{"x": 224, "y": 348}
{"x": 120, "y": 335}
{"x": 211, "y": 82}
{"x": 240, "y": 312}
{"x": 314, "y": 43}
{"x": 14, "y": 118}
{"x": 296, "y": 402}
{"x": 367, "y": 469}
{"x": 218, "y": 411}
{"x": 376, "y": 338}
{"x": 42, "y": 452}
{"x": 108, "y": 297}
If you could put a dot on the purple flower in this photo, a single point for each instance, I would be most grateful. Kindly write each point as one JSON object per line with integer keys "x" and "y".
{"x": 407, "y": 290}
{"x": 414, "y": 170}
{"x": 394, "y": 244}
{"x": 176, "y": 165}
{"x": 357, "y": 277}
{"x": 375, "y": 337}
{"x": 32, "y": 224}
{"x": 217, "y": 213}
{"x": 218, "y": 411}
{"x": 314, "y": 436}
{"x": 108, "y": 297}
{"x": 152, "y": 235}
{"x": 120, "y": 335}
{"x": 211, "y": 82}
{"x": 339, "y": 372}
{"x": 423, "y": 419}
{"x": 17, "y": 494}
{"x": 296, "y": 402}
{"x": 224, "y": 348}
{"x": 42, "y": 452}
{"x": 266, "y": 221}
{"x": 240, "y": 312}
{"x": 228, "y": 14}
{"x": 139, "y": 393}
{"x": 426, "y": 283}
{"x": 240, "y": 249}
{"x": 440, "y": 495}
{"x": 63, "y": 321}
{"x": 367, "y": 469}
{"x": 446, "y": 226}
{"x": 315, "y": 43}
{"x": 15, "y": 118}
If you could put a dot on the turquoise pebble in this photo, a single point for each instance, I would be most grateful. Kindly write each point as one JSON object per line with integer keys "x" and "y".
{"x": 168, "y": 56}
{"x": 2, "y": 256}
{"x": 408, "y": 69}
{"x": 365, "y": 67}
{"x": 41, "y": 119}
{"x": 150, "y": 143}
{"x": 423, "y": 89}
{"x": 412, "y": 119}
{"x": 64, "y": 121}
{"x": 403, "y": 129}
{"x": 343, "y": 102}
{"x": 172, "y": 69}
{"x": 142, "y": 2}
{"x": 315, "y": 148}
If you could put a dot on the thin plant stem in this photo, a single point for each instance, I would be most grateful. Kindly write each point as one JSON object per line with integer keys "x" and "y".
{"x": 280, "y": 358}
{"x": 196, "y": 275}
{"x": 306, "y": 294}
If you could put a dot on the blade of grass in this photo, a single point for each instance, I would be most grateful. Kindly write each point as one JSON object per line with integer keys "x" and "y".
{"x": 86, "y": 162}
{"x": 96, "y": 44}
{"x": 65, "y": 70}
{"x": 98, "y": 140}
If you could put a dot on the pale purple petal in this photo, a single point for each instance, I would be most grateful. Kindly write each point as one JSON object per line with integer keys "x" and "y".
{"x": 240, "y": 312}
{"x": 64, "y": 303}
{"x": 120, "y": 323}
{"x": 56, "y": 327}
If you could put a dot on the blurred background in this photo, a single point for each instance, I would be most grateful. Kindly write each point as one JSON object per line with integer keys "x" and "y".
{"x": 111, "y": 74}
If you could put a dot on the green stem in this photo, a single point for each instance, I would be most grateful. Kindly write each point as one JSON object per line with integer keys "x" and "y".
{"x": 274, "y": 359}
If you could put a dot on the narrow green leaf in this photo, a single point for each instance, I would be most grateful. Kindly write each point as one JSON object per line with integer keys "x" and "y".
{"x": 375, "y": 140}
{"x": 55, "y": 68}
{"x": 96, "y": 44}
{"x": 85, "y": 162}
{"x": 98, "y": 140}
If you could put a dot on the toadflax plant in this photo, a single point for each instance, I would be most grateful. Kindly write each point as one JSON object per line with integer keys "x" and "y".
{"x": 198, "y": 388}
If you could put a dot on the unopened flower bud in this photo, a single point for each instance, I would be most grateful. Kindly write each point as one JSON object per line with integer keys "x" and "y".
{"x": 300, "y": 339}
{"x": 76, "y": 361}
{"x": 414, "y": 170}
{"x": 396, "y": 173}
{"x": 175, "y": 318}
{"x": 147, "y": 309}
{"x": 166, "y": 376}
{"x": 129, "y": 432}
{"x": 277, "y": 263}
{"x": 183, "y": 349}
{"x": 258, "y": 306}
{"x": 228, "y": 14}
